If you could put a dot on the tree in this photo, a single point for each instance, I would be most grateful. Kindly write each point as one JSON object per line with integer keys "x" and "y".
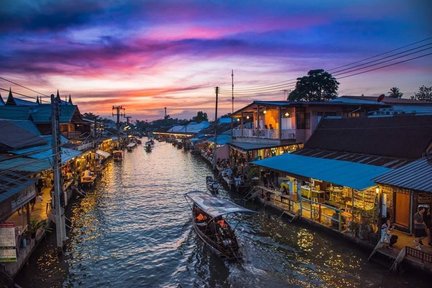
{"x": 318, "y": 85}
{"x": 395, "y": 93}
{"x": 424, "y": 94}
{"x": 91, "y": 116}
{"x": 201, "y": 116}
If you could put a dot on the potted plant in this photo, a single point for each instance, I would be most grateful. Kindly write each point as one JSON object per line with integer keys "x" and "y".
{"x": 35, "y": 225}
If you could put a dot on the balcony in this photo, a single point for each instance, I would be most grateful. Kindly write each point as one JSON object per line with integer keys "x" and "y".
{"x": 286, "y": 134}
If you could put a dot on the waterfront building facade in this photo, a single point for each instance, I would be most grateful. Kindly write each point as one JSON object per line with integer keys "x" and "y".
{"x": 331, "y": 180}
{"x": 270, "y": 128}
{"x": 406, "y": 189}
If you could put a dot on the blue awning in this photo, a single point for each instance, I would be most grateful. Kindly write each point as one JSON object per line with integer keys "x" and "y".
{"x": 37, "y": 162}
{"x": 350, "y": 174}
{"x": 221, "y": 139}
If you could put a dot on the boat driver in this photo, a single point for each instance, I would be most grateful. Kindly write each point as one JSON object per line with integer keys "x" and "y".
{"x": 201, "y": 217}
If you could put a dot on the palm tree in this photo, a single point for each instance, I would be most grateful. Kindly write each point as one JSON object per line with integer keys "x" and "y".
{"x": 395, "y": 93}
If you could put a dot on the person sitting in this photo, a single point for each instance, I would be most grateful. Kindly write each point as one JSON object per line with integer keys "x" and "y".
{"x": 386, "y": 237}
{"x": 222, "y": 224}
{"x": 284, "y": 188}
{"x": 201, "y": 217}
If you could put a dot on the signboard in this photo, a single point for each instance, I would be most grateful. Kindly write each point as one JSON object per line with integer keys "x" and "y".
{"x": 7, "y": 243}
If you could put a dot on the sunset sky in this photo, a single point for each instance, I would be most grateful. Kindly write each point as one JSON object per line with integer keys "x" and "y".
{"x": 147, "y": 55}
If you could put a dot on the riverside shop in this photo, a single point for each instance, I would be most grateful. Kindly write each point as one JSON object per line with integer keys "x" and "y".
{"x": 339, "y": 195}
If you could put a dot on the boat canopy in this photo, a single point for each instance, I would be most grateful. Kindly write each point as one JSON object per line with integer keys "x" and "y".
{"x": 103, "y": 153}
{"x": 215, "y": 206}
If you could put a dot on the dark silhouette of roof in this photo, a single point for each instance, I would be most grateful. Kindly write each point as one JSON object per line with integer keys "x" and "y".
{"x": 40, "y": 114}
{"x": 17, "y": 134}
{"x": 403, "y": 137}
{"x": 388, "y": 100}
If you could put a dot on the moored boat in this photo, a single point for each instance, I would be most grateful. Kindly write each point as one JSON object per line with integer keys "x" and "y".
{"x": 212, "y": 185}
{"x": 117, "y": 155}
{"x": 87, "y": 178}
{"x": 209, "y": 222}
{"x": 148, "y": 147}
{"x": 130, "y": 146}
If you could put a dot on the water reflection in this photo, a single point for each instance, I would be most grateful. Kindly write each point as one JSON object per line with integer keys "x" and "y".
{"x": 135, "y": 230}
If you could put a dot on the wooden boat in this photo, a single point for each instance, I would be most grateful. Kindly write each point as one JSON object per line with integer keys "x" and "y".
{"x": 87, "y": 178}
{"x": 118, "y": 155}
{"x": 130, "y": 146}
{"x": 208, "y": 214}
{"x": 212, "y": 185}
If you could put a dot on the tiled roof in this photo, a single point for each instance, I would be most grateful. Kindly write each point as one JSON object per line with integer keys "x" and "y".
{"x": 402, "y": 137}
{"x": 17, "y": 135}
{"x": 39, "y": 114}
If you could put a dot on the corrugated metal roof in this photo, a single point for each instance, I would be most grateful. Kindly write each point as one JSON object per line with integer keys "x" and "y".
{"x": 403, "y": 137}
{"x": 42, "y": 113}
{"x": 247, "y": 146}
{"x": 36, "y": 162}
{"x": 355, "y": 175}
{"x": 15, "y": 112}
{"x": 416, "y": 176}
{"x": 12, "y": 183}
{"x": 25, "y": 165}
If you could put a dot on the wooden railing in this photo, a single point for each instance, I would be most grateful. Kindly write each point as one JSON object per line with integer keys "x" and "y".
{"x": 424, "y": 257}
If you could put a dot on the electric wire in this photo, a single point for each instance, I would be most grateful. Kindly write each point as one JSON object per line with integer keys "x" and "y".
{"x": 350, "y": 66}
{"x": 355, "y": 71}
{"x": 7, "y": 90}
{"x": 22, "y": 86}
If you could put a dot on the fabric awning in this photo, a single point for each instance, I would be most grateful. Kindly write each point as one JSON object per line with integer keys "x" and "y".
{"x": 350, "y": 174}
{"x": 103, "y": 153}
{"x": 221, "y": 139}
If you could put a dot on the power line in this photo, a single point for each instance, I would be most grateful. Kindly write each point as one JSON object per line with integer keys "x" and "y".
{"x": 388, "y": 65}
{"x": 285, "y": 83}
{"x": 359, "y": 69}
{"x": 381, "y": 54}
{"x": 372, "y": 69}
{"x": 7, "y": 90}
{"x": 402, "y": 54}
{"x": 10, "y": 81}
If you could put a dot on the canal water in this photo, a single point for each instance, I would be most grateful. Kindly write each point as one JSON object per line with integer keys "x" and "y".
{"x": 135, "y": 230}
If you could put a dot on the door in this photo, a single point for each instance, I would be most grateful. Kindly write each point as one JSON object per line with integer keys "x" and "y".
{"x": 402, "y": 208}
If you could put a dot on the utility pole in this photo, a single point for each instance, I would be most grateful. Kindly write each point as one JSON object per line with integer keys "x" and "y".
{"x": 286, "y": 93}
{"x": 127, "y": 119}
{"x": 232, "y": 102}
{"x": 165, "y": 114}
{"x": 58, "y": 193}
{"x": 216, "y": 110}
{"x": 120, "y": 111}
